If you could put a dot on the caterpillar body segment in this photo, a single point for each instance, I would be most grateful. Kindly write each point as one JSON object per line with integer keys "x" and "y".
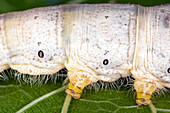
{"x": 94, "y": 42}
{"x": 3, "y": 46}
{"x": 33, "y": 41}
{"x": 151, "y": 58}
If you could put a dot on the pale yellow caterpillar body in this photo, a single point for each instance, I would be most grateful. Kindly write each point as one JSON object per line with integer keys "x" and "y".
{"x": 94, "y": 42}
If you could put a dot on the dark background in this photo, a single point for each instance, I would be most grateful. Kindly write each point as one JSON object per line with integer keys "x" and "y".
{"x": 17, "y": 5}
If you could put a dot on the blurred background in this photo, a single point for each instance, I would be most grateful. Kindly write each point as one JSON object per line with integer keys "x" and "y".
{"x": 18, "y": 5}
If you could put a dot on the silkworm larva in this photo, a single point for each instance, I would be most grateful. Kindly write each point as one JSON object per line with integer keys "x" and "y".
{"x": 94, "y": 42}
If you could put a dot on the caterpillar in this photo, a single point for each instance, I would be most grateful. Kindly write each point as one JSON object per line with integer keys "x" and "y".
{"x": 93, "y": 42}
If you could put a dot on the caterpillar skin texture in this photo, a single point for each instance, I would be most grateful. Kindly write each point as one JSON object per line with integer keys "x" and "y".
{"x": 94, "y": 42}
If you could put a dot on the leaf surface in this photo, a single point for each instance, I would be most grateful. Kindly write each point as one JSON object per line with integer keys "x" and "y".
{"x": 14, "y": 96}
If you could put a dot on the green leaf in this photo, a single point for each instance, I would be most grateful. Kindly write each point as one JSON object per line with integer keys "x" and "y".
{"x": 14, "y": 97}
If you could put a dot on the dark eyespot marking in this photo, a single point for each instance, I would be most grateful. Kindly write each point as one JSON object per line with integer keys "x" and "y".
{"x": 40, "y": 54}
{"x": 168, "y": 70}
{"x": 105, "y": 62}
